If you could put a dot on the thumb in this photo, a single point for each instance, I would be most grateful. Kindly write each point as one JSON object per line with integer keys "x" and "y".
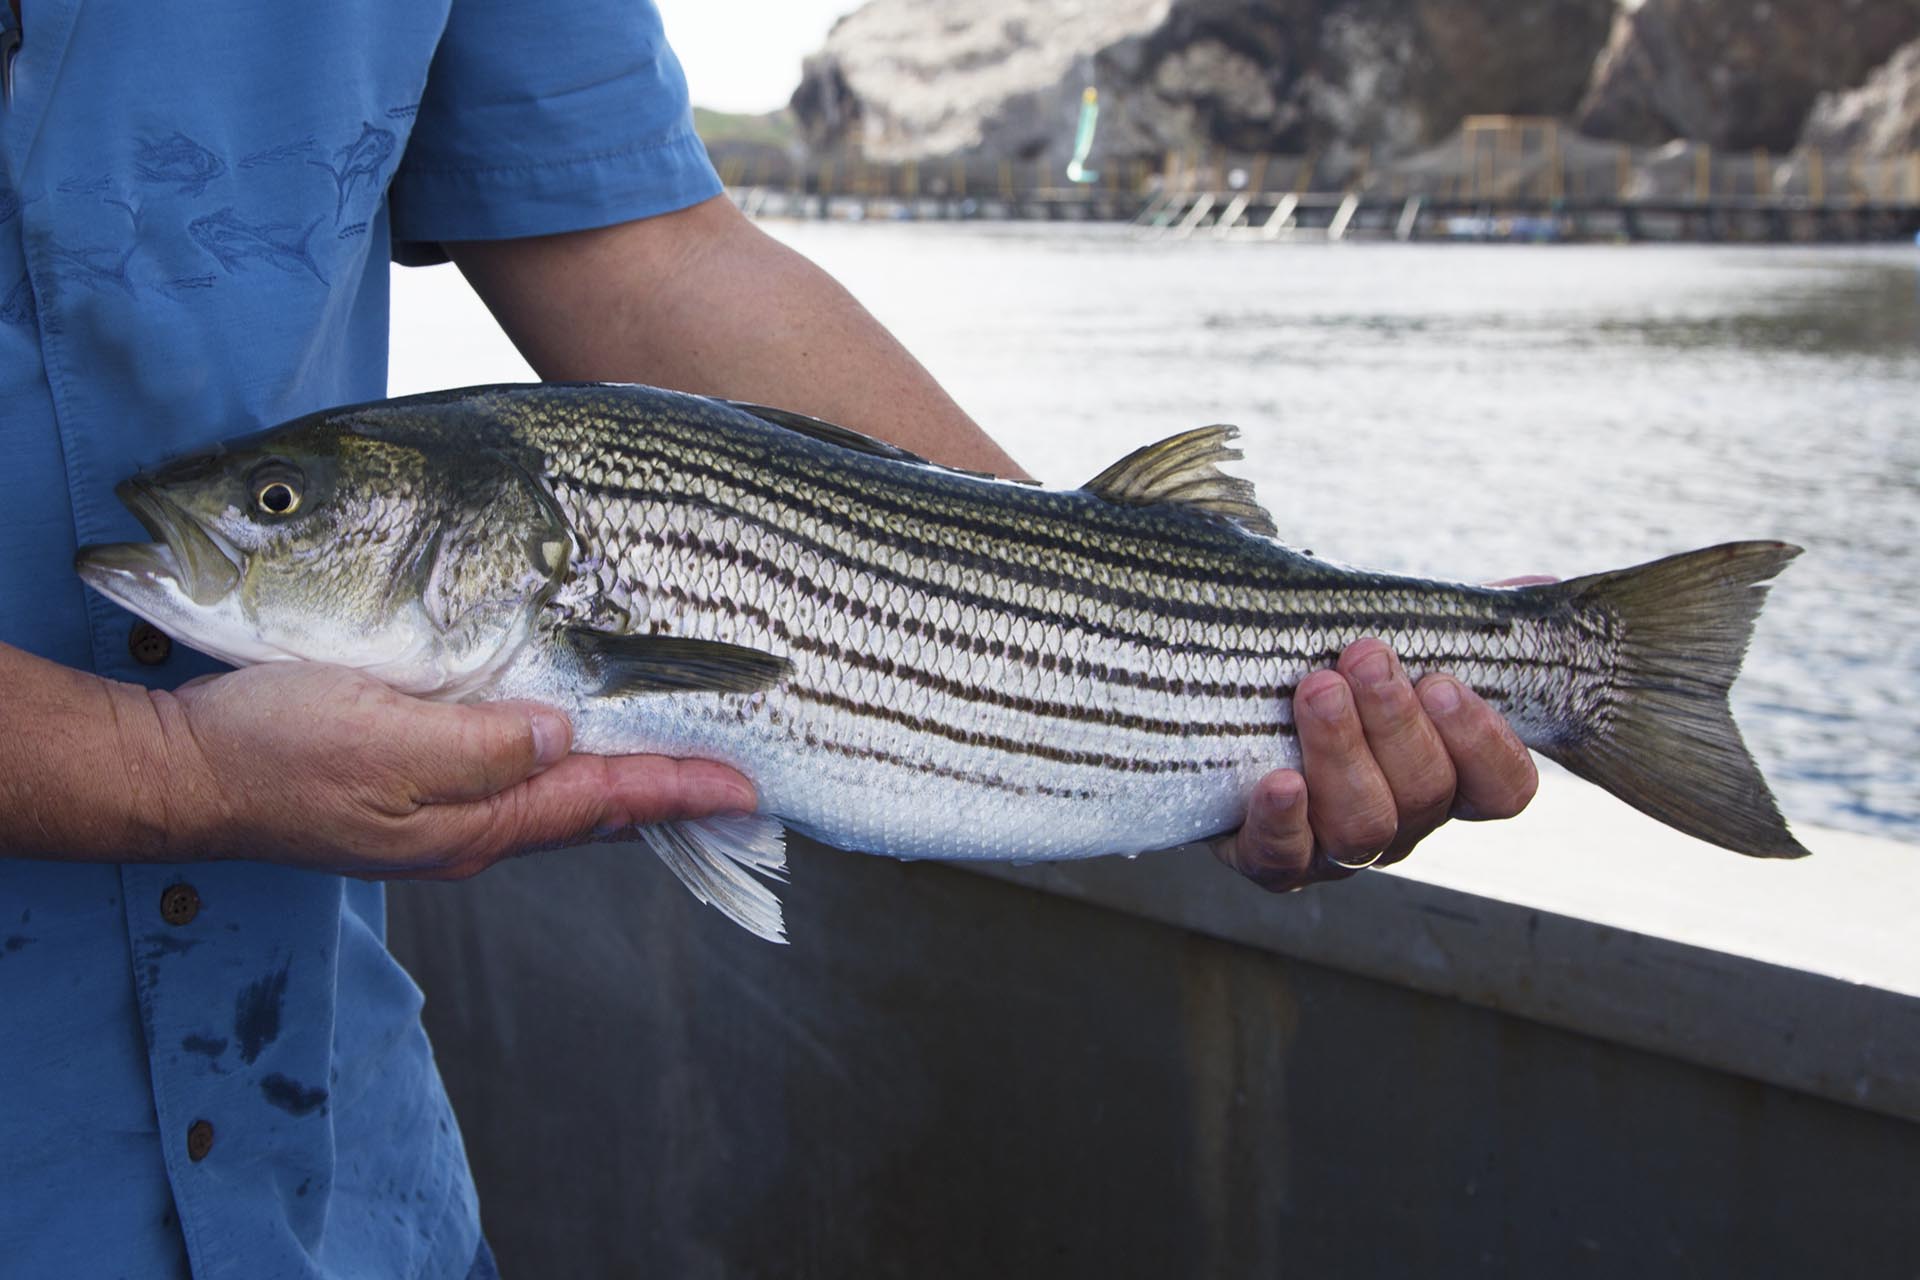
{"x": 459, "y": 752}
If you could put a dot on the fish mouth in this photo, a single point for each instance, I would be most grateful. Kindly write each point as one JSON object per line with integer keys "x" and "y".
{"x": 184, "y": 552}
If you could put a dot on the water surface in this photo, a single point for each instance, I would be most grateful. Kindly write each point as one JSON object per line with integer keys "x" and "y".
{"x": 1481, "y": 411}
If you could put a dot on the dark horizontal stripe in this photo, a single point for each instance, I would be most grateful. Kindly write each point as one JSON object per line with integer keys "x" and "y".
{"x": 993, "y": 562}
{"x": 997, "y": 742}
{"x": 986, "y": 646}
{"x": 991, "y": 781}
{"x": 906, "y": 490}
{"x": 990, "y": 561}
{"x": 1353, "y": 622}
{"x": 1019, "y": 524}
{"x": 1278, "y": 625}
{"x": 987, "y": 695}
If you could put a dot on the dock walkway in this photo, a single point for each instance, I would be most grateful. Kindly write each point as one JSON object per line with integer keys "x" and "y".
{"x": 1499, "y": 179}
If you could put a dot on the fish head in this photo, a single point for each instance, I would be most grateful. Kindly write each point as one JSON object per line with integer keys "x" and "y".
{"x": 424, "y": 566}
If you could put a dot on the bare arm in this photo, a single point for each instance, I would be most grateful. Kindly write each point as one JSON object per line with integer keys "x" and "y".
{"x": 312, "y": 766}
{"x": 81, "y": 763}
{"x": 703, "y": 301}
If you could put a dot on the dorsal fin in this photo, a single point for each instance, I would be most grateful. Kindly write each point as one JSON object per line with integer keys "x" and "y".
{"x": 848, "y": 438}
{"x": 845, "y": 437}
{"x": 1181, "y": 470}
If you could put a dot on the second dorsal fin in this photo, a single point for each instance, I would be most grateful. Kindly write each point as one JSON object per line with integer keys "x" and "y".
{"x": 1181, "y": 470}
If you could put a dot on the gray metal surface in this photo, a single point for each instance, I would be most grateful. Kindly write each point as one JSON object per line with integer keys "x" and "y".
{"x": 1844, "y": 1040}
{"x": 946, "y": 1075}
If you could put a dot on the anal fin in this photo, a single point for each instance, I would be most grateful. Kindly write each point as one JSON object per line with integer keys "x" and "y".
{"x": 718, "y": 858}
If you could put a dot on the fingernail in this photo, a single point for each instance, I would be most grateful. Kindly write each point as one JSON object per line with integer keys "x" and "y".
{"x": 551, "y": 734}
{"x": 1277, "y": 881}
{"x": 1331, "y": 702}
{"x": 1374, "y": 670}
{"x": 1441, "y": 697}
{"x": 1281, "y": 801}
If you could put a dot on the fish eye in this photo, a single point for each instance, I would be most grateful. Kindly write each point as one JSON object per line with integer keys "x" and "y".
{"x": 277, "y": 488}
{"x": 280, "y": 498}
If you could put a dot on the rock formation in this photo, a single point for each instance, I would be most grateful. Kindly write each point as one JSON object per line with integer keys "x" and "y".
{"x": 1881, "y": 117}
{"x": 1737, "y": 74}
{"x": 906, "y": 79}
{"x": 918, "y": 79}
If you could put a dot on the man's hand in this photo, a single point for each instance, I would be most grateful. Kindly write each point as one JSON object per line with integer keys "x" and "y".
{"x": 1384, "y": 764}
{"x": 322, "y": 767}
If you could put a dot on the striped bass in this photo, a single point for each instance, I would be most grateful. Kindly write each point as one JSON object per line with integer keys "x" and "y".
{"x": 904, "y": 658}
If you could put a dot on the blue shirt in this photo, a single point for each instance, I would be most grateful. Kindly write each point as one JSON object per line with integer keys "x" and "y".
{"x": 219, "y": 1064}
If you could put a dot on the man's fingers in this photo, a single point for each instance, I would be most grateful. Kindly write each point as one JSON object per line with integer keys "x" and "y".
{"x": 1354, "y": 813}
{"x": 1496, "y": 775}
{"x": 1407, "y": 748}
{"x": 1274, "y": 847}
{"x": 643, "y": 790}
{"x": 468, "y": 752}
{"x": 578, "y": 798}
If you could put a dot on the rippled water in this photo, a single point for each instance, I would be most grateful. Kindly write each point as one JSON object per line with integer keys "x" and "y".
{"x": 1482, "y": 411}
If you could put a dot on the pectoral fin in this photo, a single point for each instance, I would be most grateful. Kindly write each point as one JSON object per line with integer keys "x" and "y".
{"x": 717, "y": 858}
{"x": 1181, "y": 470}
{"x": 629, "y": 664}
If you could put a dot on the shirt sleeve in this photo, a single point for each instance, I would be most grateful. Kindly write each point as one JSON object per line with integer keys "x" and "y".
{"x": 545, "y": 117}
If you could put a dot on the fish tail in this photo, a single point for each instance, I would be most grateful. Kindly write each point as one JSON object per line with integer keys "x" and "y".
{"x": 1664, "y": 740}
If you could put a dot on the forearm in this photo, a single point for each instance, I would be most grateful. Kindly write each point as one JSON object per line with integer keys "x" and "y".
{"x": 704, "y": 301}
{"x": 84, "y": 766}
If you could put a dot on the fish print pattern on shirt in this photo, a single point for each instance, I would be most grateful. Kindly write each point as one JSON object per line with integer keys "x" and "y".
{"x": 177, "y": 162}
{"x": 18, "y": 308}
{"x": 94, "y": 267}
{"x": 363, "y": 159}
{"x": 169, "y": 174}
{"x": 235, "y": 242}
{"x": 279, "y": 155}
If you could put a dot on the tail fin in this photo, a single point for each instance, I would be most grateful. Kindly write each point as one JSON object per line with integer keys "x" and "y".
{"x": 1670, "y": 748}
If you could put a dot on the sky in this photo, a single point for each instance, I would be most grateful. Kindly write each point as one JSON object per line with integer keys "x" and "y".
{"x": 744, "y": 55}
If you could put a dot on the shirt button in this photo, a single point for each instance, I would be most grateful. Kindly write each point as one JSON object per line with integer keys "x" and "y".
{"x": 199, "y": 1140}
{"x": 179, "y": 904}
{"x": 148, "y": 644}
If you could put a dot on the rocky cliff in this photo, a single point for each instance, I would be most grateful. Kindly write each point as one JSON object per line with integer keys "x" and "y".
{"x": 1881, "y": 117}
{"x": 916, "y": 79}
{"x": 1738, "y": 74}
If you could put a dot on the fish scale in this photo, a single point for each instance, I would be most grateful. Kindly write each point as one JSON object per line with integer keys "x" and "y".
{"x": 903, "y": 658}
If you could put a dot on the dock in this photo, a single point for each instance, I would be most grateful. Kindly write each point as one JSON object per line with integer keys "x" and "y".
{"x": 1500, "y": 178}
